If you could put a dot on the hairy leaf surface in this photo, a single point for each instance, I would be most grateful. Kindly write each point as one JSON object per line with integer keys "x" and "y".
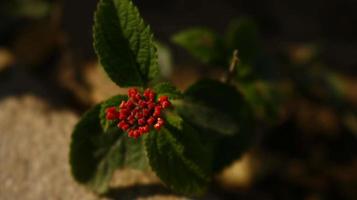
{"x": 124, "y": 44}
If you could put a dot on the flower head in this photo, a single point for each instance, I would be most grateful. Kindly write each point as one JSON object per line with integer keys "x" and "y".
{"x": 140, "y": 113}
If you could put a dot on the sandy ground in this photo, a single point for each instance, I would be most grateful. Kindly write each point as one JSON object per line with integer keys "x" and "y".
{"x": 34, "y": 151}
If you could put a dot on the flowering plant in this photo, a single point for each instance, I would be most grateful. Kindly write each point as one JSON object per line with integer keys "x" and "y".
{"x": 184, "y": 137}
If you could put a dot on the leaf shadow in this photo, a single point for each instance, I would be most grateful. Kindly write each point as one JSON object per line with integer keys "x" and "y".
{"x": 137, "y": 191}
{"x": 147, "y": 191}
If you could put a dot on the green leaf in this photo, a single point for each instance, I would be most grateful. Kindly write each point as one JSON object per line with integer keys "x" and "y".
{"x": 110, "y": 126}
{"x": 135, "y": 154}
{"x": 179, "y": 157}
{"x": 167, "y": 89}
{"x": 263, "y": 98}
{"x": 174, "y": 120}
{"x": 203, "y": 44}
{"x": 212, "y": 105}
{"x": 208, "y": 117}
{"x": 94, "y": 155}
{"x": 124, "y": 44}
{"x": 164, "y": 59}
{"x": 219, "y": 109}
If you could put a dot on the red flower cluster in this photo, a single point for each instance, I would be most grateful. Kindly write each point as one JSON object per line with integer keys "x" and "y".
{"x": 139, "y": 113}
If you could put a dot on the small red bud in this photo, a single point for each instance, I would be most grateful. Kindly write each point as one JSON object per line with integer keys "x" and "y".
{"x": 136, "y": 133}
{"x": 151, "y": 121}
{"x": 146, "y": 112}
{"x": 125, "y": 127}
{"x": 141, "y": 121}
{"x": 158, "y": 108}
{"x": 131, "y": 117}
{"x": 147, "y": 93}
{"x": 129, "y": 104}
{"x": 157, "y": 111}
{"x": 124, "y": 111}
{"x": 151, "y": 105}
{"x": 158, "y": 126}
{"x": 156, "y": 114}
{"x": 122, "y": 104}
{"x": 132, "y": 92}
{"x": 139, "y": 115}
{"x": 142, "y": 103}
{"x": 146, "y": 128}
{"x": 165, "y": 104}
{"x": 122, "y": 116}
{"x": 111, "y": 113}
{"x": 152, "y": 97}
{"x": 160, "y": 120}
{"x": 143, "y": 129}
{"x": 111, "y": 109}
{"x": 138, "y": 97}
{"x": 163, "y": 98}
{"x": 121, "y": 124}
{"x": 136, "y": 110}
{"x": 131, "y": 133}
{"x": 110, "y": 116}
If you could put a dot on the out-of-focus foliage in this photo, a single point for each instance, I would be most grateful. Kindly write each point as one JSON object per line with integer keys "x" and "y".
{"x": 15, "y": 14}
{"x": 203, "y": 44}
{"x": 307, "y": 112}
{"x": 165, "y": 59}
{"x": 33, "y": 9}
{"x": 268, "y": 83}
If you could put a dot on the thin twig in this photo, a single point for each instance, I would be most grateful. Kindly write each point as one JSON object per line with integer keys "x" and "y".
{"x": 232, "y": 67}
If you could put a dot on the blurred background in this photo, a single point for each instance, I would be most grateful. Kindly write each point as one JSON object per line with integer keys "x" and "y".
{"x": 304, "y": 94}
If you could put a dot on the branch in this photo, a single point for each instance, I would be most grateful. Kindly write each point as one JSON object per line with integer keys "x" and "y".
{"x": 232, "y": 67}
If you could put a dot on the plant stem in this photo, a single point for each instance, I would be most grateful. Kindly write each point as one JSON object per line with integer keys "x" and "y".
{"x": 232, "y": 67}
